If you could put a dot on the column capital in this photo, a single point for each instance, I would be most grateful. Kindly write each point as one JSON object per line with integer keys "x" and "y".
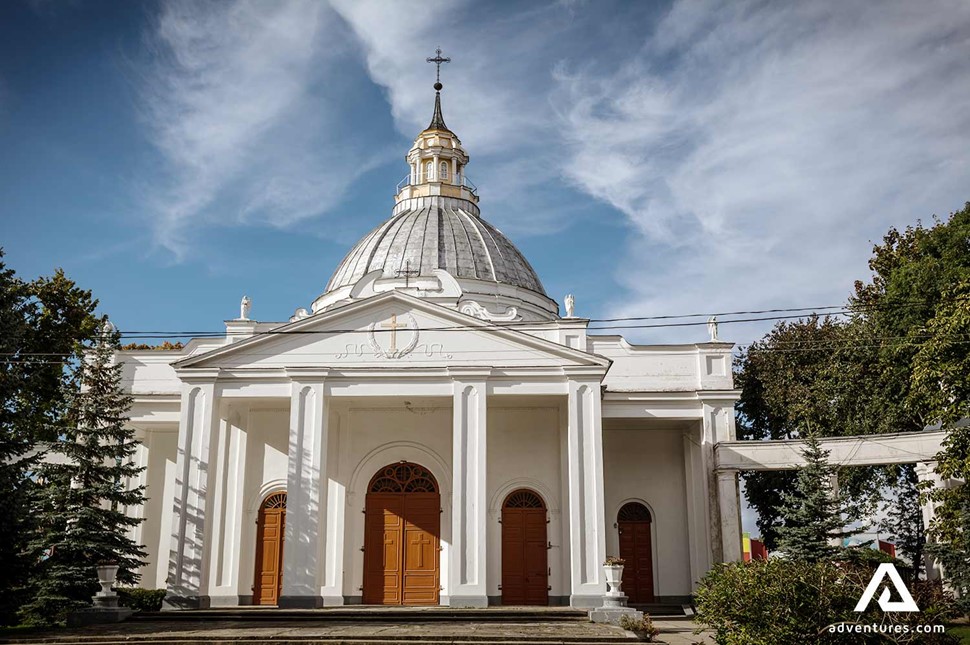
{"x": 470, "y": 373}
{"x": 307, "y": 374}
{"x": 198, "y": 375}
{"x": 585, "y": 373}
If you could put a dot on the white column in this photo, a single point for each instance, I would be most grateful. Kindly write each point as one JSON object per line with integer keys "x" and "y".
{"x": 729, "y": 501}
{"x": 188, "y": 573}
{"x": 306, "y": 494}
{"x": 587, "y": 524}
{"x": 435, "y": 170}
{"x": 717, "y": 425}
{"x": 469, "y": 505}
{"x": 926, "y": 472}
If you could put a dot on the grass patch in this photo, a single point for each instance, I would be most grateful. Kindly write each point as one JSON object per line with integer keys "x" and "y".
{"x": 960, "y": 631}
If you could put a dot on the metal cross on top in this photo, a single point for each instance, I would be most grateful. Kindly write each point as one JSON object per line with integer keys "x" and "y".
{"x": 438, "y": 60}
{"x": 407, "y": 273}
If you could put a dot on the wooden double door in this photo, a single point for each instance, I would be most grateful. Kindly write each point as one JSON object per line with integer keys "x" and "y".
{"x": 636, "y": 548}
{"x": 270, "y": 529}
{"x": 525, "y": 564}
{"x": 402, "y": 537}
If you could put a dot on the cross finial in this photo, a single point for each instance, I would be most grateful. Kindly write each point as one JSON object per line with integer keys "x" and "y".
{"x": 438, "y": 60}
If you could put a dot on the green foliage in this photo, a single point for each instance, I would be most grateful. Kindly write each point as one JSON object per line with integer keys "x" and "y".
{"x": 43, "y": 323}
{"x": 141, "y": 599}
{"x": 809, "y": 377}
{"x": 786, "y": 602}
{"x": 954, "y": 544}
{"x": 80, "y": 506}
{"x": 642, "y": 627}
{"x": 812, "y": 514}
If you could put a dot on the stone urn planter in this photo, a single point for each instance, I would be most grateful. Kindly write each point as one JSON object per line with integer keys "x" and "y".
{"x": 107, "y": 573}
{"x": 613, "y": 571}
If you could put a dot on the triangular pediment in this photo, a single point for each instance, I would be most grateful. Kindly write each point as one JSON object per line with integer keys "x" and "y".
{"x": 392, "y": 330}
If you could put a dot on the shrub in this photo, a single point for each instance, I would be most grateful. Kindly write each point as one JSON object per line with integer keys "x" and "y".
{"x": 782, "y": 602}
{"x": 642, "y": 627}
{"x": 141, "y": 599}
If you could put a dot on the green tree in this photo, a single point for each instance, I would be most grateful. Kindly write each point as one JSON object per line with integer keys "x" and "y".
{"x": 813, "y": 514}
{"x": 904, "y": 518}
{"x": 42, "y": 322}
{"x": 81, "y": 506}
{"x": 807, "y": 377}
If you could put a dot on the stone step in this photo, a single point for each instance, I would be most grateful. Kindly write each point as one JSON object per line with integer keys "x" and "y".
{"x": 235, "y": 640}
{"x": 368, "y": 614}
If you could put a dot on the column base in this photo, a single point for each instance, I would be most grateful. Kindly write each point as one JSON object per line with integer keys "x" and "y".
{"x": 468, "y": 601}
{"x": 585, "y": 602}
{"x": 176, "y": 602}
{"x": 300, "y": 602}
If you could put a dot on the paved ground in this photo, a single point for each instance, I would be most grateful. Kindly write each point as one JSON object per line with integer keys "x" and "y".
{"x": 674, "y": 632}
{"x": 680, "y": 632}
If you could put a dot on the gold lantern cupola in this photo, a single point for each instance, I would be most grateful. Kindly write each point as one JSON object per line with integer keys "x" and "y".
{"x": 437, "y": 159}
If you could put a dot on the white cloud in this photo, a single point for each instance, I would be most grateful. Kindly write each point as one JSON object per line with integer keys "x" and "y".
{"x": 758, "y": 147}
{"x": 233, "y": 102}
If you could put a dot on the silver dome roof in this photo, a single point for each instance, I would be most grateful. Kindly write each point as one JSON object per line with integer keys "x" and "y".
{"x": 437, "y": 233}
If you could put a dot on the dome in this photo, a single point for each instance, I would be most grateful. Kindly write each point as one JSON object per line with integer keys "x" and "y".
{"x": 437, "y": 233}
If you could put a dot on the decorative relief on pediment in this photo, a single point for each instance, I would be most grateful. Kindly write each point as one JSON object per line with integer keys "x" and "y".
{"x": 472, "y": 308}
{"x": 394, "y": 348}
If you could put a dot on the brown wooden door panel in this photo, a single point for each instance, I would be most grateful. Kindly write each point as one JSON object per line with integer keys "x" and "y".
{"x": 270, "y": 529}
{"x": 636, "y": 549}
{"x": 401, "y": 548}
{"x": 525, "y": 573}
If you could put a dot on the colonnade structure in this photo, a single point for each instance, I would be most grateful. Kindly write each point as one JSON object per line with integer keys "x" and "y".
{"x": 733, "y": 457}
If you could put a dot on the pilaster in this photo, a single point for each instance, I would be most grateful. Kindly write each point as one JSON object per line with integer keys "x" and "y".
{"x": 304, "y": 545}
{"x": 188, "y": 571}
{"x": 467, "y": 587}
{"x": 587, "y": 525}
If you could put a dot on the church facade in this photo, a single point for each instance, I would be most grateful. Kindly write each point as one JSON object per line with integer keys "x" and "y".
{"x": 431, "y": 431}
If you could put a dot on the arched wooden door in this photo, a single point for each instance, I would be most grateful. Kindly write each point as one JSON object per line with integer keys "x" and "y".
{"x": 525, "y": 572}
{"x": 401, "y": 537}
{"x": 634, "y": 523}
{"x": 270, "y": 528}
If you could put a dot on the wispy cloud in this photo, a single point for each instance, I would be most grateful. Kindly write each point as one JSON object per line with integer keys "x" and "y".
{"x": 757, "y": 147}
{"x": 236, "y": 103}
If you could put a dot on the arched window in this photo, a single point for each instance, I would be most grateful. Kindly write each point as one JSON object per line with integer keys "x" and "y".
{"x": 403, "y": 477}
{"x": 428, "y": 168}
{"x": 444, "y": 171}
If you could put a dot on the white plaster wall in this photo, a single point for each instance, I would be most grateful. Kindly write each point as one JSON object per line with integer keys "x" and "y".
{"x": 647, "y": 465}
{"x": 524, "y": 452}
{"x": 370, "y": 436}
{"x": 156, "y": 530}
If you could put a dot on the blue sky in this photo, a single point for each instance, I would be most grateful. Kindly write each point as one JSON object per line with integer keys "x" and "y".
{"x": 651, "y": 158}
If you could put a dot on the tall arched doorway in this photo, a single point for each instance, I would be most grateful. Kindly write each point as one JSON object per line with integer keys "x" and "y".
{"x": 636, "y": 547}
{"x": 402, "y": 524}
{"x": 525, "y": 572}
{"x": 270, "y": 527}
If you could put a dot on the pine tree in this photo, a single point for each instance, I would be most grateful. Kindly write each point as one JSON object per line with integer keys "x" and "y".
{"x": 904, "y": 518}
{"x": 813, "y": 514}
{"x": 81, "y": 503}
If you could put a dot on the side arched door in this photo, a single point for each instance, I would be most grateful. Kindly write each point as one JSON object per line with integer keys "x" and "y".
{"x": 636, "y": 547}
{"x": 270, "y": 528}
{"x": 525, "y": 565}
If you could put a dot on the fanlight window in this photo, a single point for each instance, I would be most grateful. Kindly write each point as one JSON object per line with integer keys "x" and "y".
{"x": 276, "y": 500}
{"x": 403, "y": 478}
{"x": 634, "y": 512}
{"x": 523, "y": 499}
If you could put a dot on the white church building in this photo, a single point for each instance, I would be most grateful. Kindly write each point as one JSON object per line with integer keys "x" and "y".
{"x": 434, "y": 430}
